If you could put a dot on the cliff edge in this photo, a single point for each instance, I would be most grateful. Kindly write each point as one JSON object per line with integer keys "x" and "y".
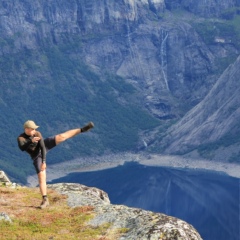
{"x": 128, "y": 223}
{"x": 140, "y": 224}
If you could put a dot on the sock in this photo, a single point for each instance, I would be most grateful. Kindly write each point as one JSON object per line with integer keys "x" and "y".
{"x": 44, "y": 196}
{"x": 83, "y": 129}
{"x": 87, "y": 127}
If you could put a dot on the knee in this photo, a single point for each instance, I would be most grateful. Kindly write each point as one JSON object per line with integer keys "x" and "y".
{"x": 42, "y": 176}
{"x": 60, "y": 138}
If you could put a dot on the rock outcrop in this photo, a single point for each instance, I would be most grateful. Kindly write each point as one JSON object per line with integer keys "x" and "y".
{"x": 139, "y": 224}
{"x": 4, "y": 179}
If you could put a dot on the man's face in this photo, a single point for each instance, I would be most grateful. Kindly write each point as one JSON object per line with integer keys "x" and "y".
{"x": 30, "y": 131}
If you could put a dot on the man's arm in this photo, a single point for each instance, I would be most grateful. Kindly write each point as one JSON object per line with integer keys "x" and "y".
{"x": 43, "y": 149}
{"x": 24, "y": 143}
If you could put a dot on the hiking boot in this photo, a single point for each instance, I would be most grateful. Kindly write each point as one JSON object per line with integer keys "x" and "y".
{"x": 87, "y": 127}
{"x": 44, "y": 203}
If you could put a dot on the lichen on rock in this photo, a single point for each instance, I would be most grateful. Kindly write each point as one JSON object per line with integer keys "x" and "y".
{"x": 138, "y": 223}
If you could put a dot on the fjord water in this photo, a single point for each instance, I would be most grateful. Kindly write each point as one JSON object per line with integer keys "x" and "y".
{"x": 208, "y": 200}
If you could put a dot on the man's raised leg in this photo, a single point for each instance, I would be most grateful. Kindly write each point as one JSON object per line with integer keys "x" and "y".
{"x": 72, "y": 133}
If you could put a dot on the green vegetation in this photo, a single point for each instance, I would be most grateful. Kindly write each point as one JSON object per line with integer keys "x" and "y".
{"x": 231, "y": 13}
{"x": 59, "y": 91}
{"x": 210, "y": 30}
{"x": 206, "y": 30}
{"x": 213, "y": 31}
{"x": 56, "y": 222}
{"x": 208, "y": 150}
{"x": 235, "y": 158}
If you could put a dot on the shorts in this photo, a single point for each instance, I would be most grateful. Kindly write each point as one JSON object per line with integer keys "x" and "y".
{"x": 49, "y": 144}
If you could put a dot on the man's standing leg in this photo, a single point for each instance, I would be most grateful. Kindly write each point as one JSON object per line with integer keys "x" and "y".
{"x": 41, "y": 172}
{"x": 43, "y": 188}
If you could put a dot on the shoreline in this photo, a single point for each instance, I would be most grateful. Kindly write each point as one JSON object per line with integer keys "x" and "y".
{"x": 97, "y": 163}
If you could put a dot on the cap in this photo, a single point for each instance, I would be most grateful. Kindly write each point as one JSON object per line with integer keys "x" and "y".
{"x": 30, "y": 124}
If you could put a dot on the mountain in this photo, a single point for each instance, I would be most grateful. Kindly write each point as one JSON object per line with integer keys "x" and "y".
{"x": 134, "y": 68}
{"x": 214, "y": 122}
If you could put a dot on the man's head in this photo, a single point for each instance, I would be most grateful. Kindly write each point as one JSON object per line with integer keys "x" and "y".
{"x": 30, "y": 127}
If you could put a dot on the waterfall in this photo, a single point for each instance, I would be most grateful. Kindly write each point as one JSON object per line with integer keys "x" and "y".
{"x": 134, "y": 54}
{"x": 145, "y": 143}
{"x": 163, "y": 49}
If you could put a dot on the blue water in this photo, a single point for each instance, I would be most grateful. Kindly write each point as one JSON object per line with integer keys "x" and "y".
{"x": 208, "y": 200}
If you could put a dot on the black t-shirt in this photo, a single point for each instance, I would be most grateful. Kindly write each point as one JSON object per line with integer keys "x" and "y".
{"x": 33, "y": 149}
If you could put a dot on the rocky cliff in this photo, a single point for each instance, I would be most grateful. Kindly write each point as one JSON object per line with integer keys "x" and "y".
{"x": 136, "y": 223}
{"x": 140, "y": 224}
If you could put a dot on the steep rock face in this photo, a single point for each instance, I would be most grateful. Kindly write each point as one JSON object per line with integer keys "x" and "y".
{"x": 215, "y": 117}
{"x": 140, "y": 224}
{"x": 165, "y": 60}
{"x": 52, "y": 19}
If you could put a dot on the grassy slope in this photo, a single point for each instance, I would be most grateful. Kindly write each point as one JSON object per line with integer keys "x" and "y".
{"x": 56, "y": 222}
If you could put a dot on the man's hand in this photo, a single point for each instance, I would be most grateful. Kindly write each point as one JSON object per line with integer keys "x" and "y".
{"x": 35, "y": 139}
{"x": 44, "y": 166}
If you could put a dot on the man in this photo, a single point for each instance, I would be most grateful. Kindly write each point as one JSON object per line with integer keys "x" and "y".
{"x": 33, "y": 143}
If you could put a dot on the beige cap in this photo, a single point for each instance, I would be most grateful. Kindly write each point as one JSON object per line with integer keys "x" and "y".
{"x": 30, "y": 124}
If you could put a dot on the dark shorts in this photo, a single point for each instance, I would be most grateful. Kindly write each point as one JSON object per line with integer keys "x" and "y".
{"x": 49, "y": 144}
